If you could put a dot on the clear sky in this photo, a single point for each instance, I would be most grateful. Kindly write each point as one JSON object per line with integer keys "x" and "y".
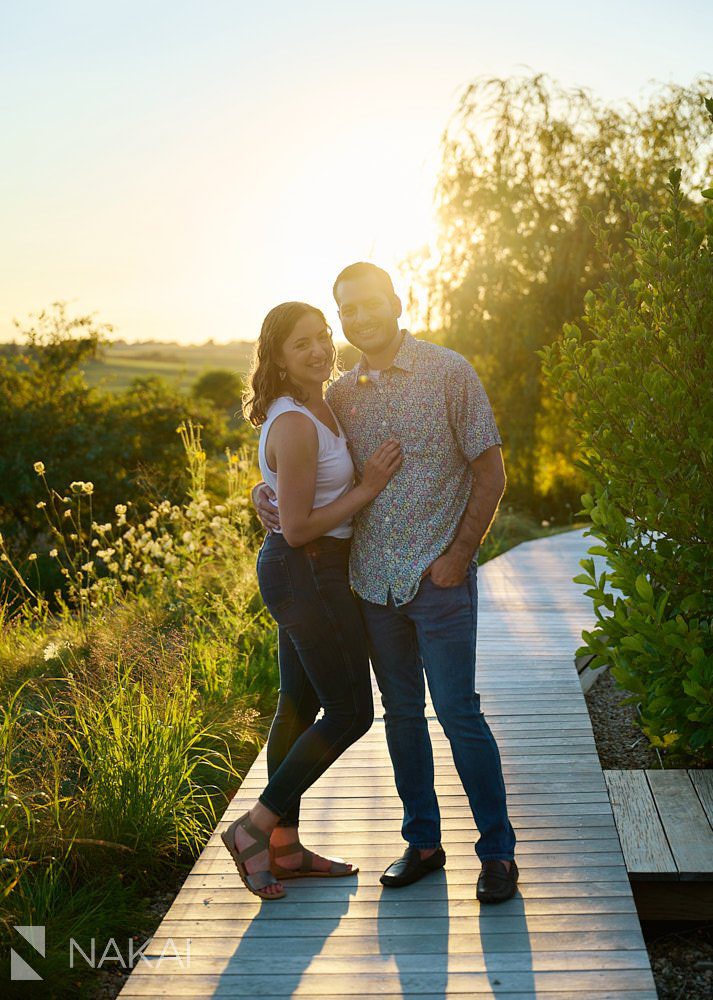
{"x": 181, "y": 166}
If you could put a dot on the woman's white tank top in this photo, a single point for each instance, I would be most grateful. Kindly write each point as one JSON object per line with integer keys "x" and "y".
{"x": 335, "y": 469}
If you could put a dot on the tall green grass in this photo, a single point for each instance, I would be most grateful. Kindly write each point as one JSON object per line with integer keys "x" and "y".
{"x": 132, "y": 705}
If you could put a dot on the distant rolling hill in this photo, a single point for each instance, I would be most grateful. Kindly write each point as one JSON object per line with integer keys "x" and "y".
{"x": 119, "y": 363}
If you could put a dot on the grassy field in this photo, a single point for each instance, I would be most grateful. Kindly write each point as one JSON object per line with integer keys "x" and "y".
{"x": 180, "y": 365}
{"x": 120, "y": 363}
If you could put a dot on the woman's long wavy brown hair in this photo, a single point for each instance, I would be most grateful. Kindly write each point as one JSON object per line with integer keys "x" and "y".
{"x": 264, "y": 382}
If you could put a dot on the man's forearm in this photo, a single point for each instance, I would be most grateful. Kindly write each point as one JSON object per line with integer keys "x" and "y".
{"x": 485, "y": 495}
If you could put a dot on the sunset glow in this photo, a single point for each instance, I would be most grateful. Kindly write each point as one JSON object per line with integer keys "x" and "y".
{"x": 179, "y": 169}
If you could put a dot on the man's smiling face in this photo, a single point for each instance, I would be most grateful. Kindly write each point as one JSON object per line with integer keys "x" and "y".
{"x": 368, "y": 312}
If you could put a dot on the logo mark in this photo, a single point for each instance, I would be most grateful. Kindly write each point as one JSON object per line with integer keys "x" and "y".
{"x": 19, "y": 969}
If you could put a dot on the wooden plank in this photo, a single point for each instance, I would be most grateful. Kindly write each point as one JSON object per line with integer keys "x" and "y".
{"x": 385, "y": 926}
{"x": 394, "y": 812}
{"x": 602, "y": 942}
{"x": 233, "y": 982}
{"x": 530, "y": 842}
{"x": 235, "y": 908}
{"x": 643, "y": 841}
{"x": 685, "y": 823}
{"x": 702, "y": 781}
{"x": 318, "y": 904}
{"x": 426, "y": 889}
{"x": 447, "y": 994}
{"x": 462, "y": 854}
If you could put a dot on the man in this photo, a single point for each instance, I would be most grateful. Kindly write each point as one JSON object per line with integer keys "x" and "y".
{"x": 413, "y": 566}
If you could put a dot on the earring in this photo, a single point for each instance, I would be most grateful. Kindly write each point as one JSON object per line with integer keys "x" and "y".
{"x": 283, "y": 374}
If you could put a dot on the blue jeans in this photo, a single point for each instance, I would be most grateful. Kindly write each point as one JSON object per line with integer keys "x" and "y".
{"x": 324, "y": 663}
{"x": 436, "y": 631}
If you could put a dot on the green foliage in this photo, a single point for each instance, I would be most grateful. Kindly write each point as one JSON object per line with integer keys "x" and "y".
{"x": 635, "y": 376}
{"x": 48, "y": 413}
{"x": 524, "y": 162}
{"x": 127, "y": 715}
{"x": 138, "y": 753}
{"x": 223, "y": 388}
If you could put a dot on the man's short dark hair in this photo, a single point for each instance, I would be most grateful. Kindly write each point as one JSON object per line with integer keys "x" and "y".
{"x": 363, "y": 269}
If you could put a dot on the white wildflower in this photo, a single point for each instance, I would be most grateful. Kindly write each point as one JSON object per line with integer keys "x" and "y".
{"x": 39, "y": 468}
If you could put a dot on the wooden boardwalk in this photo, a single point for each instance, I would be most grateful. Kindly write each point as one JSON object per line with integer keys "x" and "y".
{"x": 572, "y": 930}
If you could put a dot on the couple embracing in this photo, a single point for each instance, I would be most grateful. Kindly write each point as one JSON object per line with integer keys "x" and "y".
{"x": 378, "y": 494}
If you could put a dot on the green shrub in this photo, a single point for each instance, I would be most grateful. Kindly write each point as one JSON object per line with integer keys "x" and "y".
{"x": 636, "y": 377}
{"x": 523, "y": 158}
{"x": 49, "y": 413}
{"x": 222, "y": 387}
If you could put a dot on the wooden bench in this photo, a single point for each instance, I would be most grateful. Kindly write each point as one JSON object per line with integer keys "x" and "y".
{"x": 665, "y": 824}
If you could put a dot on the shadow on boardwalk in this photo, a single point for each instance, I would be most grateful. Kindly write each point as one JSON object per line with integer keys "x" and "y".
{"x": 268, "y": 959}
{"x": 507, "y": 955}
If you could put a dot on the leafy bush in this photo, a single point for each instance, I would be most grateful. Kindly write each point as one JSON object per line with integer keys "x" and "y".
{"x": 523, "y": 158}
{"x": 48, "y": 412}
{"x": 222, "y": 387}
{"x": 636, "y": 378}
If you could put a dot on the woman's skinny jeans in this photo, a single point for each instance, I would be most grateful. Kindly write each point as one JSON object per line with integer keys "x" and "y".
{"x": 324, "y": 663}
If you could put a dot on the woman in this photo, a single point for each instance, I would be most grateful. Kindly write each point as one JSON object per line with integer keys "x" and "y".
{"x": 303, "y": 577}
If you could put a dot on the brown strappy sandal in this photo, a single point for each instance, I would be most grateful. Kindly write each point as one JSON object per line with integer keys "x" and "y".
{"x": 258, "y": 881}
{"x": 337, "y": 869}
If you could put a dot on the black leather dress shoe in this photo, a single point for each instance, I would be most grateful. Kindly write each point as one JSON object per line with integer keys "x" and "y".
{"x": 496, "y": 883}
{"x": 410, "y": 867}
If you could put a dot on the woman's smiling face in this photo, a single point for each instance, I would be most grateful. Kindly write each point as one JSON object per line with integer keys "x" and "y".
{"x": 307, "y": 354}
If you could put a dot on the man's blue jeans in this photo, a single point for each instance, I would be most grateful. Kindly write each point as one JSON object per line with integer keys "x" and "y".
{"x": 436, "y": 631}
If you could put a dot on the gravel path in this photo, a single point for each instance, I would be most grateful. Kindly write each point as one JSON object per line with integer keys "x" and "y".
{"x": 620, "y": 742}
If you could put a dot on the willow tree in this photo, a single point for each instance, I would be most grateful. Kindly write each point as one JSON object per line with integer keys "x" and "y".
{"x": 526, "y": 166}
